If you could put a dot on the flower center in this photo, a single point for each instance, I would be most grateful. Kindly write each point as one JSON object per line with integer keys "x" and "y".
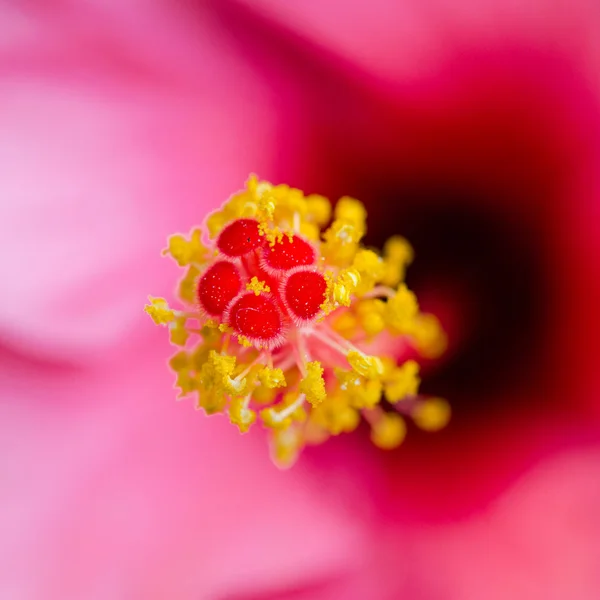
{"x": 292, "y": 348}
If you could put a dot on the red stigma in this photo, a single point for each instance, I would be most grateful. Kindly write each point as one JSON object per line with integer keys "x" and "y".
{"x": 218, "y": 286}
{"x": 304, "y": 292}
{"x": 292, "y": 251}
{"x": 256, "y": 317}
{"x": 239, "y": 238}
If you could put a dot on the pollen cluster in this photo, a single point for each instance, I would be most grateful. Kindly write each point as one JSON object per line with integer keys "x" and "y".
{"x": 288, "y": 321}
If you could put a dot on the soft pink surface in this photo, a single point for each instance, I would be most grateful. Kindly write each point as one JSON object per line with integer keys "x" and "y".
{"x": 122, "y": 125}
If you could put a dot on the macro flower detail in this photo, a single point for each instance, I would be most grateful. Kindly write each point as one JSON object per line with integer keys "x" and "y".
{"x": 290, "y": 322}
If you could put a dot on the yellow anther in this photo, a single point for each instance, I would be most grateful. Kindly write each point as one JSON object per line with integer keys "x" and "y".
{"x": 285, "y": 446}
{"x": 264, "y": 395}
{"x": 256, "y": 187}
{"x": 186, "y": 251}
{"x": 180, "y": 361}
{"x": 266, "y": 208}
{"x": 344, "y": 286}
{"x": 313, "y": 385}
{"x": 360, "y": 393}
{"x": 310, "y": 231}
{"x": 402, "y": 381}
{"x": 235, "y": 387}
{"x": 341, "y": 241}
{"x": 222, "y": 364}
{"x": 344, "y": 232}
{"x": 370, "y": 367}
{"x": 257, "y": 286}
{"x": 428, "y": 335}
{"x": 215, "y": 222}
{"x": 431, "y": 414}
{"x": 178, "y": 334}
{"x": 398, "y": 254}
{"x": 186, "y": 379}
{"x": 398, "y": 250}
{"x": 272, "y": 378}
{"x": 318, "y": 209}
{"x": 335, "y": 415}
{"x": 188, "y": 286}
{"x": 271, "y": 418}
{"x": 352, "y": 210}
{"x": 159, "y": 311}
{"x": 402, "y": 309}
{"x": 211, "y": 400}
{"x": 224, "y": 367}
{"x": 367, "y": 262}
{"x": 199, "y": 356}
{"x": 369, "y": 395}
{"x": 244, "y": 341}
{"x": 290, "y": 409}
{"x": 371, "y": 315}
{"x": 346, "y": 324}
{"x": 241, "y": 415}
{"x": 388, "y": 431}
{"x": 349, "y": 380}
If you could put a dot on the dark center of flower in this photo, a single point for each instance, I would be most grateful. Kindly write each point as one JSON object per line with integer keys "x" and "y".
{"x": 482, "y": 274}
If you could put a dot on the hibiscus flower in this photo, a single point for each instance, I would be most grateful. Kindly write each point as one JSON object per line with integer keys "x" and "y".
{"x": 472, "y": 130}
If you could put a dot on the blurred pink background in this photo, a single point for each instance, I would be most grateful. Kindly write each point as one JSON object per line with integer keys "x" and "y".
{"x": 473, "y": 128}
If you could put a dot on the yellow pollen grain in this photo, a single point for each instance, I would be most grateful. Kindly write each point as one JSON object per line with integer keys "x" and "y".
{"x": 256, "y": 286}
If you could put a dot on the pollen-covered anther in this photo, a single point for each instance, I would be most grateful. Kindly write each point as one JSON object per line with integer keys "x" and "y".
{"x": 218, "y": 286}
{"x": 313, "y": 384}
{"x": 186, "y": 251}
{"x": 344, "y": 286}
{"x": 370, "y": 367}
{"x": 288, "y": 252}
{"x": 303, "y": 292}
{"x": 159, "y": 311}
{"x": 256, "y": 318}
{"x": 388, "y": 430}
{"x": 240, "y": 414}
{"x": 431, "y": 414}
{"x": 239, "y": 238}
{"x": 272, "y": 378}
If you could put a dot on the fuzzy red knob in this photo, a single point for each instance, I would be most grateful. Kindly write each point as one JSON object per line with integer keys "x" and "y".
{"x": 291, "y": 251}
{"x": 218, "y": 286}
{"x": 239, "y": 237}
{"x": 256, "y": 317}
{"x": 304, "y": 291}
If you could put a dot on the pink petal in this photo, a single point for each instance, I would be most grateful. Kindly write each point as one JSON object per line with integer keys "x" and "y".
{"x": 405, "y": 39}
{"x": 105, "y": 151}
{"x": 539, "y": 541}
{"x": 111, "y": 490}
